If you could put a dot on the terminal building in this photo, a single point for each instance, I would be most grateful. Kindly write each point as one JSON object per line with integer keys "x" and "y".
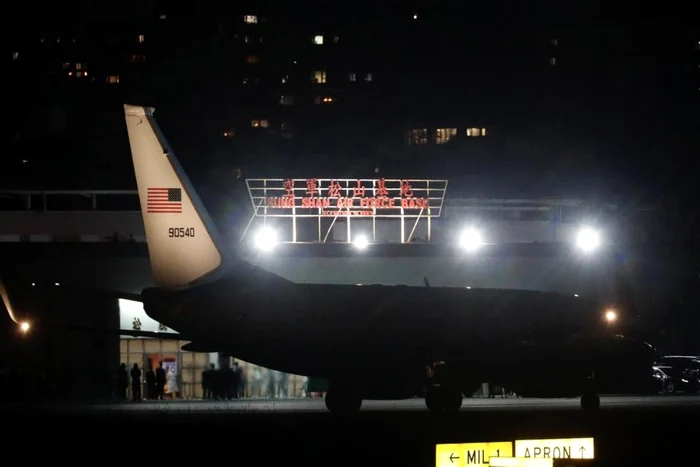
{"x": 337, "y": 231}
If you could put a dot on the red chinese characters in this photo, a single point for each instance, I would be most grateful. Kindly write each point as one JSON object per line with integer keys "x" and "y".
{"x": 359, "y": 190}
{"x": 405, "y": 189}
{"x": 381, "y": 188}
{"x": 348, "y": 197}
{"x": 289, "y": 187}
{"x": 334, "y": 189}
{"x": 312, "y": 186}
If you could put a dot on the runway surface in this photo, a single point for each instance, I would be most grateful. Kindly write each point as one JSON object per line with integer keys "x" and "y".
{"x": 650, "y": 430}
{"x": 317, "y": 405}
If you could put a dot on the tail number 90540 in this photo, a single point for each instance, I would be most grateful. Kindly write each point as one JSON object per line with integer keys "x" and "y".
{"x": 180, "y": 232}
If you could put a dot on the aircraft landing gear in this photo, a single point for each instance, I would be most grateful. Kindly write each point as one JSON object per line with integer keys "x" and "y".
{"x": 443, "y": 399}
{"x": 590, "y": 401}
{"x": 342, "y": 401}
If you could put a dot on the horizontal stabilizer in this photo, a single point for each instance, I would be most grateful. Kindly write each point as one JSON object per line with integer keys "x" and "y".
{"x": 123, "y": 332}
{"x": 71, "y": 291}
{"x": 199, "y": 347}
{"x": 5, "y": 297}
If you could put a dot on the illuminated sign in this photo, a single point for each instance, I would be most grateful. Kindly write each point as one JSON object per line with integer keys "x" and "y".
{"x": 347, "y": 197}
{"x": 520, "y": 462}
{"x": 132, "y": 317}
{"x": 470, "y": 454}
{"x": 569, "y": 448}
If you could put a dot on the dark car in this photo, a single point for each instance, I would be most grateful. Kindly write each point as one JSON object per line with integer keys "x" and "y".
{"x": 671, "y": 380}
{"x": 687, "y": 368}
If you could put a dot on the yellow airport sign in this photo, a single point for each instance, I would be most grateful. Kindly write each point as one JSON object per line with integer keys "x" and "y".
{"x": 470, "y": 454}
{"x": 520, "y": 462}
{"x": 566, "y": 448}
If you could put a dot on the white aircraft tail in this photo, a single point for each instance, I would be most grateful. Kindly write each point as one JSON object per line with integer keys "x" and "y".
{"x": 183, "y": 243}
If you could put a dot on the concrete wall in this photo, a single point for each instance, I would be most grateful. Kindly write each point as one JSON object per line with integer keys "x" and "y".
{"x": 123, "y": 267}
{"x": 85, "y": 226}
{"x": 101, "y": 226}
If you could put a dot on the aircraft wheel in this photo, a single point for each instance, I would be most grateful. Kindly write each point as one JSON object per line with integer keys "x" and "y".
{"x": 343, "y": 402}
{"x": 670, "y": 388}
{"x": 590, "y": 401}
{"x": 439, "y": 399}
{"x": 433, "y": 401}
{"x": 453, "y": 401}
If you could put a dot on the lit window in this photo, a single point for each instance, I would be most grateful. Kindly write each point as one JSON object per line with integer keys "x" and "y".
{"x": 318, "y": 40}
{"x": 323, "y": 100}
{"x": 163, "y": 16}
{"x": 141, "y": 38}
{"x": 285, "y": 79}
{"x": 137, "y": 58}
{"x": 476, "y": 131}
{"x": 287, "y": 100}
{"x": 444, "y": 135}
{"x": 368, "y": 77}
{"x": 250, "y": 19}
{"x": 15, "y": 55}
{"x": 417, "y": 136}
{"x": 246, "y": 39}
{"x": 78, "y": 66}
{"x": 353, "y": 77}
{"x": 319, "y": 77}
{"x": 553, "y": 61}
{"x": 252, "y": 59}
{"x": 113, "y": 79}
{"x": 66, "y": 65}
{"x": 554, "y": 42}
{"x": 259, "y": 123}
{"x": 336, "y": 39}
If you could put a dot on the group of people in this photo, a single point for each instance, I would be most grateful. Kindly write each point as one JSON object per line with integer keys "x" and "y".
{"x": 155, "y": 382}
{"x": 225, "y": 383}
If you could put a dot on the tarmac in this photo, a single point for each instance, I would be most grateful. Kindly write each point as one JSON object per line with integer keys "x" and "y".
{"x": 317, "y": 405}
{"x": 634, "y": 431}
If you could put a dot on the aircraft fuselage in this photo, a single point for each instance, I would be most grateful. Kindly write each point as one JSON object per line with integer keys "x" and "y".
{"x": 537, "y": 343}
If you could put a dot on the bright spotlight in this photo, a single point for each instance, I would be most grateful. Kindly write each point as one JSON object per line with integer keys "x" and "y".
{"x": 470, "y": 239}
{"x": 588, "y": 239}
{"x": 266, "y": 239}
{"x": 361, "y": 242}
{"x": 610, "y": 316}
{"x": 24, "y": 326}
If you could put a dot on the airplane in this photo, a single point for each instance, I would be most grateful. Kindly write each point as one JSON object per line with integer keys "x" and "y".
{"x": 367, "y": 342}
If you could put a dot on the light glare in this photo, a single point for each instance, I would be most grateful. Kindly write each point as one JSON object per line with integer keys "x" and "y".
{"x": 588, "y": 239}
{"x": 361, "y": 242}
{"x": 266, "y": 239}
{"x": 24, "y": 326}
{"x": 610, "y": 316}
{"x": 470, "y": 239}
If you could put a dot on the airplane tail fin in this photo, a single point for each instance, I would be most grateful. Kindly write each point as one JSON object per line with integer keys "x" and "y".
{"x": 183, "y": 244}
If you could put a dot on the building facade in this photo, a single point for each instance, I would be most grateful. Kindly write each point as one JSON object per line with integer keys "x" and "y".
{"x": 394, "y": 91}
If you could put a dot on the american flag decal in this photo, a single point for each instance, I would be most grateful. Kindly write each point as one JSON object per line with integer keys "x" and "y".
{"x": 164, "y": 201}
